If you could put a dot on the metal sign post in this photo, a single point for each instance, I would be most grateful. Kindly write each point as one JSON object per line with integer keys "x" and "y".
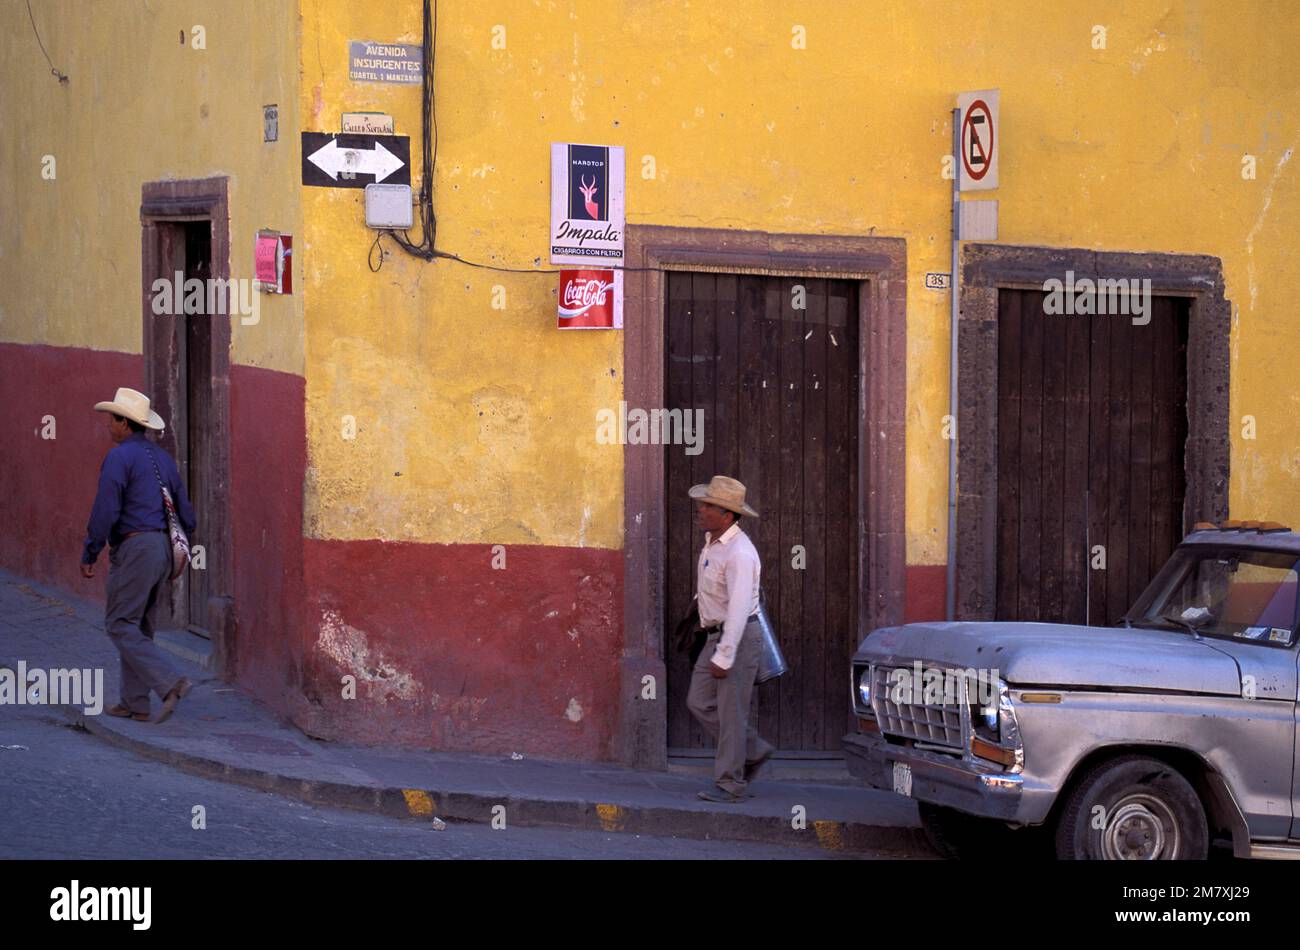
{"x": 951, "y": 583}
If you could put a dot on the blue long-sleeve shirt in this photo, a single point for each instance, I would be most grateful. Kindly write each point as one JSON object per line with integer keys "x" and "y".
{"x": 129, "y": 498}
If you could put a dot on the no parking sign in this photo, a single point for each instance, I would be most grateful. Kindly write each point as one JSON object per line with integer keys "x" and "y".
{"x": 978, "y": 168}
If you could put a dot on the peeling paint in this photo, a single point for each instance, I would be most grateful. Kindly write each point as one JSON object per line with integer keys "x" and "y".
{"x": 1259, "y": 221}
{"x": 574, "y": 712}
{"x": 350, "y": 650}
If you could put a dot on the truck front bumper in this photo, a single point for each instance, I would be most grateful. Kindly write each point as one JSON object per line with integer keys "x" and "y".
{"x": 968, "y": 786}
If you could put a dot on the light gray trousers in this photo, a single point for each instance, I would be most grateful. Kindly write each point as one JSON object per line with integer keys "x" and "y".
{"x": 722, "y": 707}
{"x": 138, "y": 572}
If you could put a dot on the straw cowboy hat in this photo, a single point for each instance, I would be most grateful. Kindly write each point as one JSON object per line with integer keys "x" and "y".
{"x": 725, "y": 493}
{"x": 132, "y": 405}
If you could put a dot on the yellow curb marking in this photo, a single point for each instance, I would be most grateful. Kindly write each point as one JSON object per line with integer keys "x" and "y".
{"x": 830, "y": 834}
{"x": 418, "y": 802}
{"x": 611, "y": 817}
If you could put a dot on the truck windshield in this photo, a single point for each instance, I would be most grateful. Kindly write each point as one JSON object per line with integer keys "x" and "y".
{"x": 1232, "y": 593}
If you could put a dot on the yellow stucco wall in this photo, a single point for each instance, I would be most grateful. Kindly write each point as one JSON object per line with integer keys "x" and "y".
{"x": 487, "y": 414}
{"x": 139, "y": 106}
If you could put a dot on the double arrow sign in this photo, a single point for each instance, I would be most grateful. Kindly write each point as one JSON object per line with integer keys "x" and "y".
{"x": 355, "y": 160}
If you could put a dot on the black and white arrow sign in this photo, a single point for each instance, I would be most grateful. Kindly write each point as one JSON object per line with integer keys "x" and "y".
{"x": 355, "y": 160}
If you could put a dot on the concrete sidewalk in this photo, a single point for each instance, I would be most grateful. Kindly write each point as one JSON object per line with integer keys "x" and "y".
{"x": 221, "y": 732}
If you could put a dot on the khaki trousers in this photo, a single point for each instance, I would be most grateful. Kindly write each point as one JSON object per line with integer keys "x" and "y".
{"x": 138, "y": 574}
{"x": 722, "y": 707}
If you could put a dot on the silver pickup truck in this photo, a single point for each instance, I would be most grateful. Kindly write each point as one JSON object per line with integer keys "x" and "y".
{"x": 1155, "y": 739}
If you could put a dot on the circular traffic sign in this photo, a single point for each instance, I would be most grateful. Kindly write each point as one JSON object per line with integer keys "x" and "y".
{"x": 977, "y": 140}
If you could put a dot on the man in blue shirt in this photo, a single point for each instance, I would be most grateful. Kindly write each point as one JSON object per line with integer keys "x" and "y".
{"x": 129, "y": 515}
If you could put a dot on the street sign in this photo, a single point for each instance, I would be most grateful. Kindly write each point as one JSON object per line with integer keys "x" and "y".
{"x": 354, "y": 161}
{"x": 384, "y": 62}
{"x": 369, "y": 123}
{"x": 978, "y": 168}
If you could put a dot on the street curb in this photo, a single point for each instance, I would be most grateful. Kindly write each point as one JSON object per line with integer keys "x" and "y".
{"x": 528, "y": 811}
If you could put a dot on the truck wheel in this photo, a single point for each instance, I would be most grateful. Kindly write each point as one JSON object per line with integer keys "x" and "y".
{"x": 1132, "y": 808}
{"x": 956, "y": 835}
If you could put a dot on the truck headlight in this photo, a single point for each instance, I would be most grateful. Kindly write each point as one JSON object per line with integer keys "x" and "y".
{"x": 864, "y": 688}
{"x": 990, "y": 705}
{"x": 996, "y": 736}
{"x": 991, "y": 714}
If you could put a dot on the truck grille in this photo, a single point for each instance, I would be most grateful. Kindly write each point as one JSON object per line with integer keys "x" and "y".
{"x": 938, "y": 723}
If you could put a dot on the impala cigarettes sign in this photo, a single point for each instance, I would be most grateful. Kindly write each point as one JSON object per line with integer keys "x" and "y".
{"x": 587, "y": 217}
{"x": 591, "y": 300}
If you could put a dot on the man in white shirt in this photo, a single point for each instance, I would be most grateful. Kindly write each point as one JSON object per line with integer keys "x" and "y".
{"x": 723, "y": 678}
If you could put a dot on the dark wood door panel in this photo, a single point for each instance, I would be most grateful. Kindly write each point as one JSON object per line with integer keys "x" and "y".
{"x": 1092, "y": 425}
{"x": 778, "y": 388}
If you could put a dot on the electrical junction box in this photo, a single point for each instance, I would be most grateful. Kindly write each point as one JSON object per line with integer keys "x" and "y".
{"x": 388, "y": 206}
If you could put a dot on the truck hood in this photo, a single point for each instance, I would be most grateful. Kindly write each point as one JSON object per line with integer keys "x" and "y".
{"x": 1048, "y": 654}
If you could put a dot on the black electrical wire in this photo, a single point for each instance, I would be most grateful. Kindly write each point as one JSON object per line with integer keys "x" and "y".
{"x": 57, "y": 74}
{"x": 596, "y": 265}
{"x": 370, "y": 257}
{"x": 428, "y": 123}
{"x": 425, "y": 250}
{"x": 448, "y": 255}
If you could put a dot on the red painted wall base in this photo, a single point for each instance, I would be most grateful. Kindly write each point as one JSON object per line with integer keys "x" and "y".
{"x": 927, "y": 586}
{"x": 449, "y": 652}
{"x": 47, "y": 485}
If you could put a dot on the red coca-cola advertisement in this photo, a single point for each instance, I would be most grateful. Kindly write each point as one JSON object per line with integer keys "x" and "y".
{"x": 591, "y": 300}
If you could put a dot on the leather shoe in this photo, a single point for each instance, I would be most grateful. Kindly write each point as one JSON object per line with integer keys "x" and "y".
{"x": 179, "y": 691}
{"x": 718, "y": 794}
{"x": 123, "y": 713}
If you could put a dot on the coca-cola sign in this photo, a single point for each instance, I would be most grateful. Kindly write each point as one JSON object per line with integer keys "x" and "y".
{"x": 591, "y": 300}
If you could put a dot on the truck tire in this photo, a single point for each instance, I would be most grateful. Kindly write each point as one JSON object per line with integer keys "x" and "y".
{"x": 1132, "y": 808}
{"x": 957, "y": 836}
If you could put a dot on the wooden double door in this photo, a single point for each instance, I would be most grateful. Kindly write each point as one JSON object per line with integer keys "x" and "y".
{"x": 772, "y": 363}
{"x": 1092, "y": 427}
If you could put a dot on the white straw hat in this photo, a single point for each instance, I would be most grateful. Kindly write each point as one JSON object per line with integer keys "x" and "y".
{"x": 725, "y": 493}
{"x": 132, "y": 405}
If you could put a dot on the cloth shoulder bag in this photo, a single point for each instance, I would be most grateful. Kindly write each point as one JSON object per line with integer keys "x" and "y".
{"x": 180, "y": 544}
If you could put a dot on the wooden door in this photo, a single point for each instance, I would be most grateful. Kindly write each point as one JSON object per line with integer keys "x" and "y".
{"x": 1092, "y": 424}
{"x": 185, "y": 399}
{"x": 194, "y": 427}
{"x": 777, "y": 383}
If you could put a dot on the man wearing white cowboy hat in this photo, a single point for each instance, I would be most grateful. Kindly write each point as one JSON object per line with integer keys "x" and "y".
{"x": 723, "y": 678}
{"x": 129, "y": 515}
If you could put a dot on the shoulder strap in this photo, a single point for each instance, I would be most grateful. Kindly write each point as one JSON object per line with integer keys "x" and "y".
{"x": 157, "y": 473}
{"x": 169, "y": 506}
